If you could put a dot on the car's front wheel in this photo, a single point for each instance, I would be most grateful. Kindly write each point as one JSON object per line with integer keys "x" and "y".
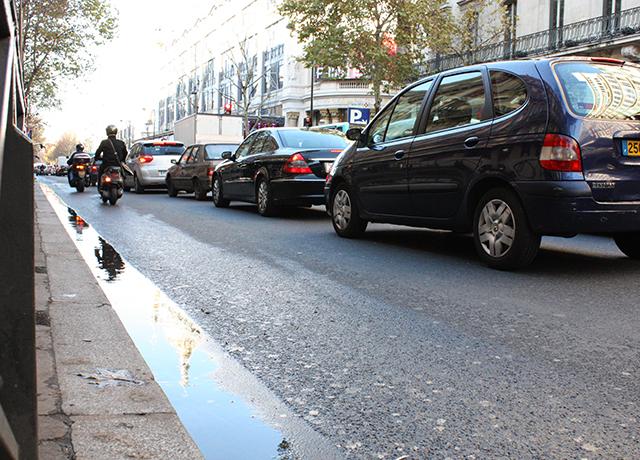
{"x": 345, "y": 214}
{"x": 502, "y": 235}
{"x": 172, "y": 191}
{"x": 218, "y": 197}
{"x": 629, "y": 244}
{"x": 199, "y": 191}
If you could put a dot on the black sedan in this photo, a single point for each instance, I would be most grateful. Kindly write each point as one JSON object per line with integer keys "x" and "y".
{"x": 277, "y": 167}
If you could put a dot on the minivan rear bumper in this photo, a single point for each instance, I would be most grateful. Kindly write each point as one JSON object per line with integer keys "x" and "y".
{"x": 568, "y": 207}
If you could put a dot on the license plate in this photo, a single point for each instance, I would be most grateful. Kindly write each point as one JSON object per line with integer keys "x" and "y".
{"x": 162, "y": 172}
{"x": 631, "y": 148}
{"x": 327, "y": 167}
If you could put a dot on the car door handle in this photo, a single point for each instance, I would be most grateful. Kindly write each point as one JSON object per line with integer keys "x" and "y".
{"x": 471, "y": 142}
{"x": 399, "y": 154}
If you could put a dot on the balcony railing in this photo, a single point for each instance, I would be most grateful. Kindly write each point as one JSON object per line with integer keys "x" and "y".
{"x": 583, "y": 33}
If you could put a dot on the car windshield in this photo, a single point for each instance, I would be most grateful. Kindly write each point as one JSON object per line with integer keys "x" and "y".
{"x": 601, "y": 91}
{"x": 215, "y": 151}
{"x": 163, "y": 149}
{"x": 313, "y": 140}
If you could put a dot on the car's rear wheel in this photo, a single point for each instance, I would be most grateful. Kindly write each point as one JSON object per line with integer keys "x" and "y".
{"x": 264, "y": 197}
{"x": 137, "y": 186}
{"x": 218, "y": 197}
{"x": 199, "y": 191}
{"x": 345, "y": 214}
{"x": 502, "y": 235}
{"x": 172, "y": 191}
{"x": 629, "y": 244}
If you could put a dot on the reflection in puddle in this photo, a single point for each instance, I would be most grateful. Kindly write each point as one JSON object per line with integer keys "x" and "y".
{"x": 221, "y": 423}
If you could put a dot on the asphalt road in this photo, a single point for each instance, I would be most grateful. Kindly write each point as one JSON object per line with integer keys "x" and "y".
{"x": 402, "y": 343}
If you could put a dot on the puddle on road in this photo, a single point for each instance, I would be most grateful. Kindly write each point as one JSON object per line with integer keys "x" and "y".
{"x": 183, "y": 361}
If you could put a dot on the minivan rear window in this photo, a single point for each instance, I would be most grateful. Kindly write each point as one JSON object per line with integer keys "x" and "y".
{"x": 163, "y": 149}
{"x": 312, "y": 140}
{"x": 600, "y": 91}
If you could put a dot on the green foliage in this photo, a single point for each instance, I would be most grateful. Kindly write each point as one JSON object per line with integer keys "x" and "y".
{"x": 477, "y": 24}
{"x": 57, "y": 40}
{"x": 384, "y": 39}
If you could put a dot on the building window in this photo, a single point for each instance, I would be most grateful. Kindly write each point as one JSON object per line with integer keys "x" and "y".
{"x": 208, "y": 87}
{"x": 556, "y": 23}
{"x": 611, "y": 10}
{"x": 272, "y": 79}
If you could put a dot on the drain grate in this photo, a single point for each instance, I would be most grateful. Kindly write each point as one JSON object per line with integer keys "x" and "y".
{"x": 41, "y": 269}
{"x": 42, "y": 318}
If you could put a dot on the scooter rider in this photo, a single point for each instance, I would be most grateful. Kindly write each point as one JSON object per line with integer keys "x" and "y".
{"x": 79, "y": 149}
{"x": 111, "y": 151}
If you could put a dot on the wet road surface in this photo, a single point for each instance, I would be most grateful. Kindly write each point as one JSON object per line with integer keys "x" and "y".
{"x": 401, "y": 343}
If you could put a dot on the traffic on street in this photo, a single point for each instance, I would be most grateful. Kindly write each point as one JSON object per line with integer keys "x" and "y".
{"x": 401, "y": 342}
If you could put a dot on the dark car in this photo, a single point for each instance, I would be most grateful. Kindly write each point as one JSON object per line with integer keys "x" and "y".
{"x": 278, "y": 167}
{"x": 509, "y": 151}
{"x": 194, "y": 170}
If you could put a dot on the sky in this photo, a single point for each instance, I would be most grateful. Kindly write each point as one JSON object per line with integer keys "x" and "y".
{"x": 123, "y": 85}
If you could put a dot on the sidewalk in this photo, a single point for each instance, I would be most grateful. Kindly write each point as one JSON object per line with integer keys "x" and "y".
{"x": 97, "y": 397}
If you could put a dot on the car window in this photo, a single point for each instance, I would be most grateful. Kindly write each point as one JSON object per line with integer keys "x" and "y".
{"x": 193, "y": 155}
{"x": 215, "y": 151}
{"x": 406, "y": 112}
{"x": 270, "y": 144}
{"x": 243, "y": 150}
{"x": 256, "y": 147}
{"x": 508, "y": 91}
{"x": 376, "y": 132}
{"x": 303, "y": 139}
{"x": 459, "y": 101}
{"x": 600, "y": 91}
{"x": 163, "y": 148}
{"x": 185, "y": 155}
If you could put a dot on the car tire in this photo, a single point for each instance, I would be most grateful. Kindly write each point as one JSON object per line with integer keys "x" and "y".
{"x": 502, "y": 235}
{"x": 198, "y": 191}
{"x": 172, "y": 191}
{"x": 218, "y": 197}
{"x": 345, "y": 213}
{"x": 264, "y": 199}
{"x": 137, "y": 186}
{"x": 629, "y": 244}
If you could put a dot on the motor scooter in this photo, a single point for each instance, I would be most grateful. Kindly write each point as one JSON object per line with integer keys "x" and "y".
{"x": 79, "y": 174}
{"x": 111, "y": 185}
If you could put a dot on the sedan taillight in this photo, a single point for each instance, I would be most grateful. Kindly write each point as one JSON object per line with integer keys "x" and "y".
{"x": 210, "y": 171}
{"x": 296, "y": 164}
{"x": 144, "y": 159}
{"x": 560, "y": 153}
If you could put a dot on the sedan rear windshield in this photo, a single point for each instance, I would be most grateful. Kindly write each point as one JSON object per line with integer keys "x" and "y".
{"x": 601, "y": 91}
{"x": 312, "y": 140}
{"x": 215, "y": 151}
{"x": 151, "y": 149}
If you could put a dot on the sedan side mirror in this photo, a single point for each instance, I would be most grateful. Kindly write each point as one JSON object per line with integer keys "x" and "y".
{"x": 354, "y": 134}
{"x": 174, "y": 161}
{"x": 227, "y": 155}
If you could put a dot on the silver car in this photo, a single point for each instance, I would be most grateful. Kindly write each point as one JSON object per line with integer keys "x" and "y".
{"x": 150, "y": 161}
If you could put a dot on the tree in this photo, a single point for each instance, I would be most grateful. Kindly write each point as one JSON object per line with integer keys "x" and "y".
{"x": 57, "y": 38}
{"x": 475, "y": 25}
{"x": 385, "y": 40}
{"x": 65, "y": 145}
{"x": 243, "y": 78}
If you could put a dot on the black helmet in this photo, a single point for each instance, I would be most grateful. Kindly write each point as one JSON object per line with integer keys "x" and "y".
{"x": 112, "y": 130}
{"x": 79, "y": 148}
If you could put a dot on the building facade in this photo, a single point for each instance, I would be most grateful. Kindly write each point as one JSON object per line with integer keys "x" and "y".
{"x": 243, "y": 50}
{"x": 609, "y": 28}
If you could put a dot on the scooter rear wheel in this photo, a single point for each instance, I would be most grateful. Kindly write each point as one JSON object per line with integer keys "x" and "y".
{"x": 80, "y": 186}
{"x": 113, "y": 197}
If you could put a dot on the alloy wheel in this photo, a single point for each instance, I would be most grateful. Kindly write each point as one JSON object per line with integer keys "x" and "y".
{"x": 342, "y": 209}
{"x": 496, "y": 228}
{"x": 263, "y": 196}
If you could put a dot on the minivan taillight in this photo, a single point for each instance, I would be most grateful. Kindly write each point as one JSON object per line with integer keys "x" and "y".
{"x": 296, "y": 164}
{"x": 560, "y": 153}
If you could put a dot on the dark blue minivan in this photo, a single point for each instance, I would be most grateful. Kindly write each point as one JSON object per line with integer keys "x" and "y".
{"x": 509, "y": 151}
